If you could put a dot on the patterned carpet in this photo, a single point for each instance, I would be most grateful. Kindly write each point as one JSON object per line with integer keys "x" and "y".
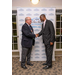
{"x": 36, "y": 69}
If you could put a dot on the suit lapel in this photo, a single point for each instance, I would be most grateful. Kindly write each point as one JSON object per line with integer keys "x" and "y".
{"x": 28, "y": 27}
{"x": 31, "y": 27}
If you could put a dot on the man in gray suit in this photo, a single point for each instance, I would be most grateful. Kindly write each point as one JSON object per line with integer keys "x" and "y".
{"x": 48, "y": 35}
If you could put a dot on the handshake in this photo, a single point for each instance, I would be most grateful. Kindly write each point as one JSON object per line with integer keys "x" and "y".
{"x": 36, "y": 35}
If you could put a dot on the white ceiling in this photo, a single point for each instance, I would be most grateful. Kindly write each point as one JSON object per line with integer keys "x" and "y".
{"x": 43, "y": 3}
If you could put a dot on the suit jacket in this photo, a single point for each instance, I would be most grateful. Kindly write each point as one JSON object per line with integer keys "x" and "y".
{"x": 48, "y": 32}
{"x": 28, "y": 38}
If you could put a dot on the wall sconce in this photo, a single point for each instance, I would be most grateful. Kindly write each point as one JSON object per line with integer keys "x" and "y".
{"x": 35, "y": 1}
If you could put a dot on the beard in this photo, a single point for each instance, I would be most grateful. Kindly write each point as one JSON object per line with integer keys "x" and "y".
{"x": 42, "y": 20}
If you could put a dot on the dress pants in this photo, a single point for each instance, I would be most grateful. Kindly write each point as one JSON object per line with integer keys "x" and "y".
{"x": 25, "y": 52}
{"x": 49, "y": 53}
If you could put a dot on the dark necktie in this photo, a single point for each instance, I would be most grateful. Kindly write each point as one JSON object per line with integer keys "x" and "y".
{"x": 30, "y": 27}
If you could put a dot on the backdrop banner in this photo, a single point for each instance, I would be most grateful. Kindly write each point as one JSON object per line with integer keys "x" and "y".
{"x": 38, "y": 51}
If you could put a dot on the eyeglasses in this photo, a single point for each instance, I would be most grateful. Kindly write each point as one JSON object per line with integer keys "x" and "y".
{"x": 28, "y": 19}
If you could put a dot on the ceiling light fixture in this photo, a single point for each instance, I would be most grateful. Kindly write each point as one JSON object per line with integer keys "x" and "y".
{"x": 35, "y": 1}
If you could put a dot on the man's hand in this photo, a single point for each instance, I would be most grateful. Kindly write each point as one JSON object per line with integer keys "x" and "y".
{"x": 37, "y": 35}
{"x": 51, "y": 43}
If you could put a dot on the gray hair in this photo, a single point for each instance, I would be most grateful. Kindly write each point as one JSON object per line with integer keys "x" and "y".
{"x": 26, "y": 18}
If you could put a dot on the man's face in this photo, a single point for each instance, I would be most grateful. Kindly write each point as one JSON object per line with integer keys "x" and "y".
{"x": 42, "y": 19}
{"x": 29, "y": 21}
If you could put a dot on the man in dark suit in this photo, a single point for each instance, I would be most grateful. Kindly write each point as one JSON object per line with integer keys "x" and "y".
{"x": 28, "y": 39}
{"x": 48, "y": 35}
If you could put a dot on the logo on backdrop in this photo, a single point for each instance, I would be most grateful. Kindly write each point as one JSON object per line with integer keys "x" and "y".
{"x": 39, "y": 26}
{"x": 21, "y": 24}
{"x": 37, "y": 39}
{"x": 21, "y": 9}
{"x": 51, "y": 14}
{"x": 21, "y": 14}
{"x": 44, "y": 57}
{"x": 37, "y": 54}
{"x": 43, "y": 9}
{"x": 36, "y": 46}
{"x": 36, "y": 9}
{"x": 36, "y": 20}
{"x": 28, "y": 14}
{"x": 36, "y": 57}
{"x": 36, "y": 42}
{"x": 28, "y": 10}
{"x": 36, "y": 27}
{"x": 36, "y": 14}
{"x": 36, "y": 50}
{"x": 43, "y": 54}
{"x": 36, "y": 24}
{"x": 43, "y": 50}
{"x": 21, "y": 20}
{"x": 51, "y": 9}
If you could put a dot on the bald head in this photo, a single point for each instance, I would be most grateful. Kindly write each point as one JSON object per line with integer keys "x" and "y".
{"x": 28, "y": 20}
{"x": 42, "y": 17}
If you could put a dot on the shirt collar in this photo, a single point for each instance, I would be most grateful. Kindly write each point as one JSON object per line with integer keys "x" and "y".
{"x": 44, "y": 21}
{"x": 27, "y": 24}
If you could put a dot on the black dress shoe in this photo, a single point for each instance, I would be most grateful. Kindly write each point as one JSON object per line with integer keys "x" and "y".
{"x": 30, "y": 64}
{"x": 44, "y": 64}
{"x": 24, "y": 67}
{"x": 47, "y": 67}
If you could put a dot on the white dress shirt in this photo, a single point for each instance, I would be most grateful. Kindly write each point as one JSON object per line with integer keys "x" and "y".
{"x": 44, "y": 23}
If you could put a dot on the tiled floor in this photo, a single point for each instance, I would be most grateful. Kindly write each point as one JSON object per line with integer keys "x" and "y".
{"x": 36, "y": 69}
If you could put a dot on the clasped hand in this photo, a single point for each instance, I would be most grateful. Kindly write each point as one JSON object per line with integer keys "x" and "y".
{"x": 36, "y": 35}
